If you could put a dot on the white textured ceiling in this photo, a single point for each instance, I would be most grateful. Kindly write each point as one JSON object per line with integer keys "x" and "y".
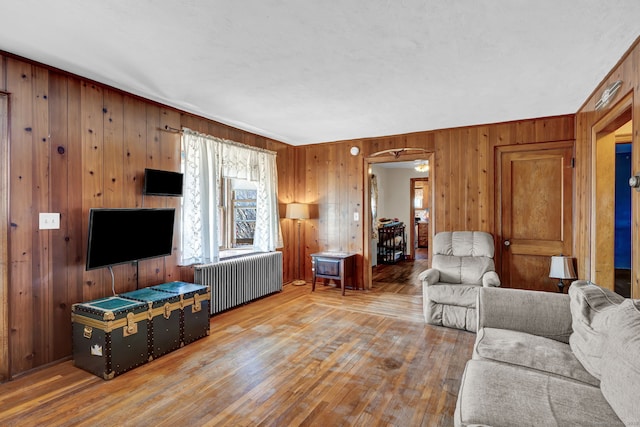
{"x": 304, "y": 72}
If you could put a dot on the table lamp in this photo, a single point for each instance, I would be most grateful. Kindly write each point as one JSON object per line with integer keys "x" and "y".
{"x": 561, "y": 268}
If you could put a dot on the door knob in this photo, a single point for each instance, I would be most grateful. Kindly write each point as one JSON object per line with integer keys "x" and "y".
{"x": 634, "y": 182}
{"x": 507, "y": 243}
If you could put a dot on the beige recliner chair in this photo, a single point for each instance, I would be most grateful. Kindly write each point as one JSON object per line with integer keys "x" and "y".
{"x": 462, "y": 262}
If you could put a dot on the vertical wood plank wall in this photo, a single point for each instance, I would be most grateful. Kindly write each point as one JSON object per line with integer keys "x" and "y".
{"x": 463, "y": 185}
{"x": 4, "y": 238}
{"x": 627, "y": 70}
{"x": 76, "y": 144}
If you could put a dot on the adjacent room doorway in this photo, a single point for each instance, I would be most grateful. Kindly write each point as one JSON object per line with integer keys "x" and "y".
{"x": 622, "y": 221}
{"x": 393, "y": 158}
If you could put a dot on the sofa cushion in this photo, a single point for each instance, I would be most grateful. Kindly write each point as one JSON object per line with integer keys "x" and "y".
{"x": 591, "y": 310}
{"x": 621, "y": 370}
{"x": 545, "y": 314}
{"x": 530, "y": 351}
{"x": 498, "y": 394}
{"x": 454, "y": 294}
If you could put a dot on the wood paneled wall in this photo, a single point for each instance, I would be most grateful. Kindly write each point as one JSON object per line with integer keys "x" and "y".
{"x": 587, "y": 121}
{"x": 462, "y": 178}
{"x": 74, "y": 145}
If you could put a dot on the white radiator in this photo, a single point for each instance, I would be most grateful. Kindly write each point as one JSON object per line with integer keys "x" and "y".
{"x": 239, "y": 280}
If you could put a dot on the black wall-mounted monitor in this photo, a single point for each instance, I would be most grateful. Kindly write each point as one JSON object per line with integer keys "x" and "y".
{"x": 162, "y": 183}
{"x": 118, "y": 236}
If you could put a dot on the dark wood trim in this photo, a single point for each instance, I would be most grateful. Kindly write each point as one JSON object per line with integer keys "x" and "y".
{"x": 5, "y": 359}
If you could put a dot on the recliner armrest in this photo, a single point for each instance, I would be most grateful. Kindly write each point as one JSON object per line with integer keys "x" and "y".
{"x": 490, "y": 278}
{"x": 539, "y": 313}
{"x": 429, "y": 277}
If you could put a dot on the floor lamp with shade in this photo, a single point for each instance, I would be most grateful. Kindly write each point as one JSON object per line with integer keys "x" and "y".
{"x": 299, "y": 212}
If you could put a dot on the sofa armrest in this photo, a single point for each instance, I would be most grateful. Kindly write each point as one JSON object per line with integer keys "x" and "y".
{"x": 429, "y": 277}
{"x": 490, "y": 278}
{"x": 539, "y": 313}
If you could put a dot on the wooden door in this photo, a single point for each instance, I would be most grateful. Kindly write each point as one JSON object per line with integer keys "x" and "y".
{"x": 417, "y": 185}
{"x": 534, "y": 198}
{"x": 604, "y": 222}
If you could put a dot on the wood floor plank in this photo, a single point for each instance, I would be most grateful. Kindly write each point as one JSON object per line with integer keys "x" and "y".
{"x": 294, "y": 358}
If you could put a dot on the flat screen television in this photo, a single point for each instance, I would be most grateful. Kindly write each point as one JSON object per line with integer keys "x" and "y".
{"x": 118, "y": 236}
{"x": 162, "y": 183}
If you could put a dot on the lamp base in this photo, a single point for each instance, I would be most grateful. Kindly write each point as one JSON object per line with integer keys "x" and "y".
{"x": 298, "y": 283}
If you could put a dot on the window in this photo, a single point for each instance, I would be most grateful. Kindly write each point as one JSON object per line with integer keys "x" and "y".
{"x": 238, "y": 209}
{"x": 220, "y": 210}
{"x": 417, "y": 198}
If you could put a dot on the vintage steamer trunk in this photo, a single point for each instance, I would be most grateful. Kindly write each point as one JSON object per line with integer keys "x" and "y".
{"x": 164, "y": 316}
{"x": 195, "y": 301}
{"x": 110, "y": 335}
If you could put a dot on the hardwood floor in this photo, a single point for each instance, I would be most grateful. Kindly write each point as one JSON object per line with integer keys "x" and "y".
{"x": 294, "y": 358}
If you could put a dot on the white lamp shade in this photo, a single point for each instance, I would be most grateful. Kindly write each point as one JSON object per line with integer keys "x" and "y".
{"x": 297, "y": 211}
{"x": 562, "y": 268}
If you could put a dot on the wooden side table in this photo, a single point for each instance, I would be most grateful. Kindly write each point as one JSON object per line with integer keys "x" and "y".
{"x": 334, "y": 265}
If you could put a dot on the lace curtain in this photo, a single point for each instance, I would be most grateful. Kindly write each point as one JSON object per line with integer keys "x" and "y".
{"x": 239, "y": 162}
{"x": 200, "y": 200}
{"x": 208, "y": 160}
{"x": 268, "y": 234}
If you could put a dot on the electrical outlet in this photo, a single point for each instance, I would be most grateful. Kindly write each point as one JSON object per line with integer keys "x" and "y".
{"x": 356, "y": 216}
{"x": 49, "y": 221}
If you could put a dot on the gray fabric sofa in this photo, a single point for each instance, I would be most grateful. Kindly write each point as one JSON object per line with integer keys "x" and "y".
{"x": 545, "y": 359}
{"x": 462, "y": 262}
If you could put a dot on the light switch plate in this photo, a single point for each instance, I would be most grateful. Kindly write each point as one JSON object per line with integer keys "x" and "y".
{"x": 49, "y": 221}
{"x": 356, "y": 216}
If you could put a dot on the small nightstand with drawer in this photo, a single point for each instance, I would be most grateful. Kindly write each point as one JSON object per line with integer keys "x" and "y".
{"x": 334, "y": 265}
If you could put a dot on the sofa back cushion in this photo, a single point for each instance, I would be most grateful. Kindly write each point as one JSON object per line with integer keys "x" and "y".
{"x": 463, "y": 256}
{"x": 463, "y": 243}
{"x": 620, "y": 382}
{"x": 591, "y": 310}
{"x": 468, "y": 270}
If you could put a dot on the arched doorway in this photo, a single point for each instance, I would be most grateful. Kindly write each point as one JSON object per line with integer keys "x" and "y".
{"x": 408, "y": 154}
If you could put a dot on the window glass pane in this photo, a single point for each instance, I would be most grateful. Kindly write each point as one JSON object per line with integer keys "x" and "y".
{"x": 245, "y": 194}
{"x": 245, "y": 232}
{"x": 244, "y": 213}
{"x": 245, "y": 204}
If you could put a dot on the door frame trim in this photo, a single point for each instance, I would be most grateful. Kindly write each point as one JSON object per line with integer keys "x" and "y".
{"x": 5, "y": 354}
{"x": 613, "y": 119}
